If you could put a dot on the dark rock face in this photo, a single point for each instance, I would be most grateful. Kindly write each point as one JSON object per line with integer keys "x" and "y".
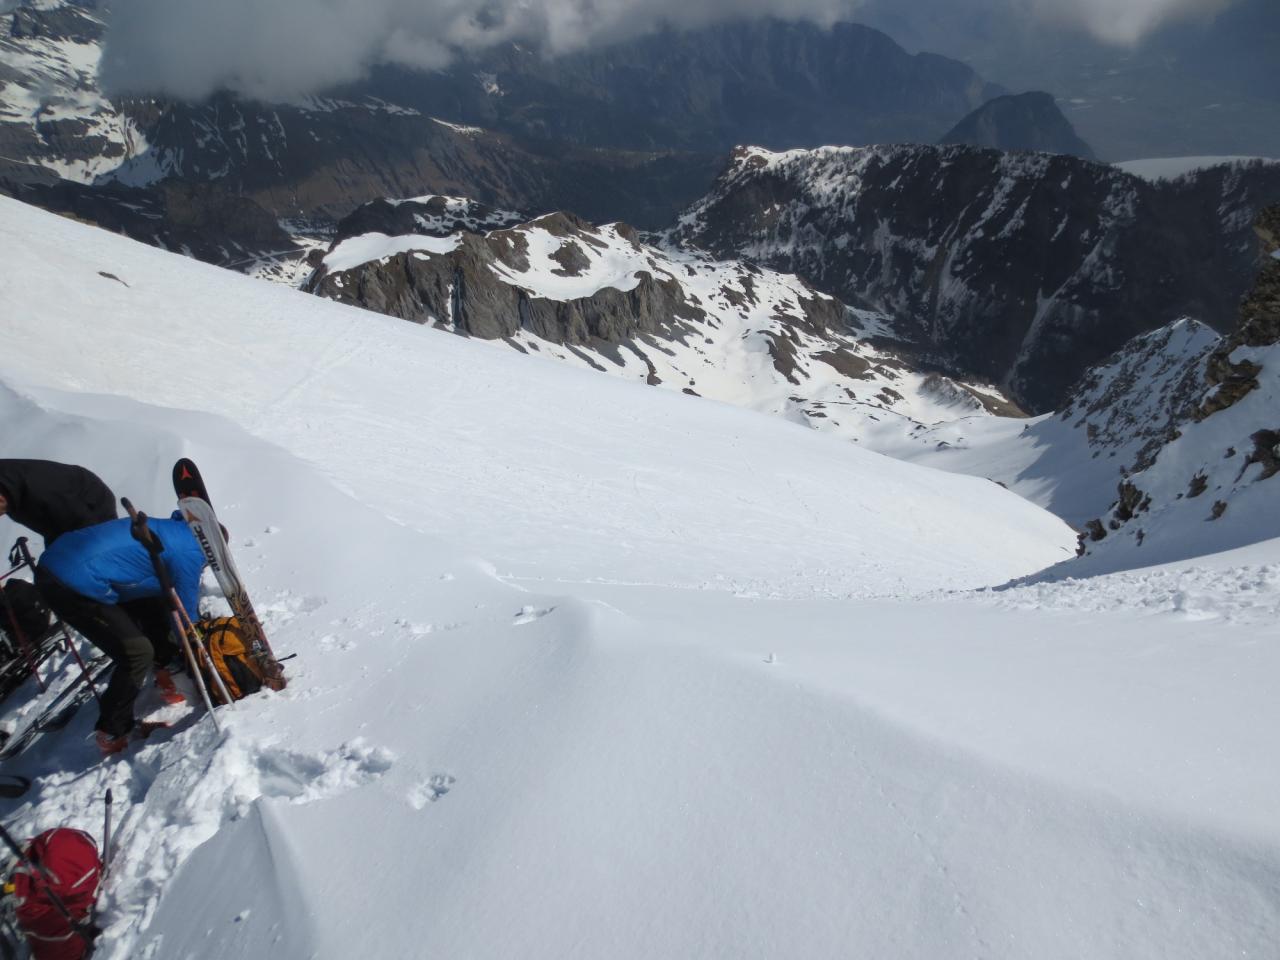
{"x": 433, "y": 216}
{"x": 193, "y": 219}
{"x": 770, "y": 82}
{"x": 1021, "y": 269}
{"x": 327, "y": 160}
{"x": 72, "y": 22}
{"x": 1259, "y": 326}
{"x": 1027, "y": 121}
{"x": 463, "y": 289}
{"x": 1260, "y": 311}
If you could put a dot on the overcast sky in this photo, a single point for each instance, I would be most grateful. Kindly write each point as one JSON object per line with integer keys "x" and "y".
{"x": 283, "y": 49}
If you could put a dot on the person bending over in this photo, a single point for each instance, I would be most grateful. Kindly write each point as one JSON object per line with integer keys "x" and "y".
{"x": 101, "y": 581}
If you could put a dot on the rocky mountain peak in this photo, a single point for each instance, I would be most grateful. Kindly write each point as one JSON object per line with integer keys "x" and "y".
{"x": 1025, "y": 121}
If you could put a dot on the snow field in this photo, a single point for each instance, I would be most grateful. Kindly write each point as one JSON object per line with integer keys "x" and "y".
{"x": 580, "y": 477}
{"x": 379, "y": 246}
{"x": 569, "y": 683}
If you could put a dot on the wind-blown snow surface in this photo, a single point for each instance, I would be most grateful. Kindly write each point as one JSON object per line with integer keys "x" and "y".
{"x": 469, "y": 764}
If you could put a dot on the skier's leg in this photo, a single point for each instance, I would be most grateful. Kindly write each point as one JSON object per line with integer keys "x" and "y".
{"x": 114, "y": 632}
{"x": 154, "y": 619}
{"x": 156, "y": 624}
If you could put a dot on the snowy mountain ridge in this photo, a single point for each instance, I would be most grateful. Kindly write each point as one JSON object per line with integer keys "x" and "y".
{"x": 1209, "y": 486}
{"x": 1021, "y": 269}
{"x": 52, "y": 114}
{"x": 1165, "y": 452}
{"x": 600, "y": 297}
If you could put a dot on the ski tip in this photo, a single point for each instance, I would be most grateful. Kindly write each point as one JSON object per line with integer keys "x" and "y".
{"x": 187, "y": 481}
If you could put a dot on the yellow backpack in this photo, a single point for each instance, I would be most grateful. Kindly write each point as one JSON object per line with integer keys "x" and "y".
{"x": 224, "y": 639}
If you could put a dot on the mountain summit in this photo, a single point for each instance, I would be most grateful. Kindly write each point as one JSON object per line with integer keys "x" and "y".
{"x": 1025, "y": 121}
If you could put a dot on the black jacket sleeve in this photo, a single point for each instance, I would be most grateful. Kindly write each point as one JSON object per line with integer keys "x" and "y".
{"x": 54, "y": 498}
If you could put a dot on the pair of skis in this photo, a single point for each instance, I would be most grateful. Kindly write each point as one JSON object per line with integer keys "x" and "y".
{"x": 193, "y": 503}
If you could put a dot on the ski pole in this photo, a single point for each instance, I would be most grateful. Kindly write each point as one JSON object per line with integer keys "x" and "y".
{"x": 154, "y": 547}
{"x": 195, "y": 632}
{"x": 80, "y": 927}
{"x": 106, "y": 836}
{"x": 24, "y": 644}
{"x": 24, "y": 554}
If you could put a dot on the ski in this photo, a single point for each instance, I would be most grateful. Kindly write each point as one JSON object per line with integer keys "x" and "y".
{"x": 196, "y": 508}
{"x": 60, "y": 712}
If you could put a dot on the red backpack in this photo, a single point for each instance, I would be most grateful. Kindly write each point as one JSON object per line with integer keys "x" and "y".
{"x": 69, "y": 869}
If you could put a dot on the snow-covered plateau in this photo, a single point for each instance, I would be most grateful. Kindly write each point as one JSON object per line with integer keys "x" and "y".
{"x": 587, "y": 669}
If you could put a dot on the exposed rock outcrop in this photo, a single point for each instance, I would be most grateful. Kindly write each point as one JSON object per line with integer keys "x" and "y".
{"x": 199, "y": 220}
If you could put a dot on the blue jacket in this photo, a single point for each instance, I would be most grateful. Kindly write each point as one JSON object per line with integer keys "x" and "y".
{"x": 106, "y": 564}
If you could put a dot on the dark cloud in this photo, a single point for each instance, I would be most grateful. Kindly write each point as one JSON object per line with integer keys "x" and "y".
{"x": 284, "y": 49}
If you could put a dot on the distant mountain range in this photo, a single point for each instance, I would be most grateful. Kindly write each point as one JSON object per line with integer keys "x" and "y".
{"x": 867, "y": 290}
{"x": 770, "y": 82}
{"x": 634, "y": 131}
{"x": 1018, "y": 269}
{"x": 1206, "y": 86}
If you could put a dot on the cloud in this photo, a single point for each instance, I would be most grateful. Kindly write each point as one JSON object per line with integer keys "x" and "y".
{"x": 278, "y": 50}
{"x": 283, "y": 49}
{"x": 1124, "y": 21}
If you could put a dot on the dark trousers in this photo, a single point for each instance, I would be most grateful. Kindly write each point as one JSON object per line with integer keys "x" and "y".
{"x": 134, "y": 634}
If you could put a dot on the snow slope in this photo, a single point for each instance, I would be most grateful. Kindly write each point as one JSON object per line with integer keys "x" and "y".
{"x": 435, "y": 431}
{"x": 515, "y": 728}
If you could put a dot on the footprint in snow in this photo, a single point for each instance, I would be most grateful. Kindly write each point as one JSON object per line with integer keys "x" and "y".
{"x": 430, "y": 790}
{"x": 529, "y": 614}
{"x": 304, "y": 777}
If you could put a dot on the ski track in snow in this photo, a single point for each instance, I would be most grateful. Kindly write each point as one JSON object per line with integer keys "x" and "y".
{"x": 648, "y": 714}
